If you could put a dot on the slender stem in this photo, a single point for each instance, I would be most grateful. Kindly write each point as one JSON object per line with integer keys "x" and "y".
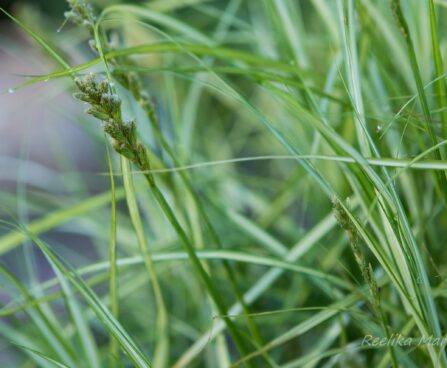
{"x": 196, "y": 263}
{"x": 401, "y": 21}
{"x": 161, "y": 319}
{"x": 439, "y": 68}
{"x": 113, "y": 283}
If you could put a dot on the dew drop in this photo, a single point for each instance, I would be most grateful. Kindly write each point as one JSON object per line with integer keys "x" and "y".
{"x": 111, "y": 84}
{"x": 11, "y": 90}
{"x": 46, "y": 80}
{"x": 379, "y": 128}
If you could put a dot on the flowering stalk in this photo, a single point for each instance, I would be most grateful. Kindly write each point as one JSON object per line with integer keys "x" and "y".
{"x": 106, "y": 106}
{"x": 82, "y": 14}
{"x": 346, "y": 223}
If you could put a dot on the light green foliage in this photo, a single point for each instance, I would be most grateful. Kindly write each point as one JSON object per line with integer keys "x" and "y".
{"x": 238, "y": 134}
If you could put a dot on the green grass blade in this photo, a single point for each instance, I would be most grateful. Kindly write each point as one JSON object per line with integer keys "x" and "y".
{"x": 13, "y": 239}
{"x": 101, "y": 311}
{"x": 54, "y": 338}
{"x": 86, "y": 338}
{"x": 439, "y": 68}
{"x": 162, "y": 347}
{"x": 113, "y": 284}
{"x": 53, "y": 362}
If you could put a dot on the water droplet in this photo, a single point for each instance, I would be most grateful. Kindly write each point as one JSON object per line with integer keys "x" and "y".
{"x": 379, "y": 128}
{"x": 58, "y": 30}
{"x": 46, "y": 80}
{"x": 111, "y": 84}
{"x": 11, "y": 90}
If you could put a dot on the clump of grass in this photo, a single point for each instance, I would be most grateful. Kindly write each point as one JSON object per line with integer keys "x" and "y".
{"x": 300, "y": 105}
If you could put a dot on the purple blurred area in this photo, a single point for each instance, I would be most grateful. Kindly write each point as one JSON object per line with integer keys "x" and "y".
{"x": 48, "y": 159}
{"x": 37, "y": 122}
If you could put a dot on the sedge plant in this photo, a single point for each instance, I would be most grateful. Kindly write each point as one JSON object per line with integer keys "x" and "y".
{"x": 238, "y": 135}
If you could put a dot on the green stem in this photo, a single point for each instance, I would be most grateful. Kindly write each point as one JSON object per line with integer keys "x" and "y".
{"x": 439, "y": 69}
{"x": 114, "y": 346}
{"x": 206, "y": 279}
{"x": 216, "y": 240}
{"x": 162, "y": 348}
{"x": 401, "y": 21}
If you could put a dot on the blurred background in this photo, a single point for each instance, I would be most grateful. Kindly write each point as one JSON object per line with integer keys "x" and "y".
{"x": 28, "y": 121}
